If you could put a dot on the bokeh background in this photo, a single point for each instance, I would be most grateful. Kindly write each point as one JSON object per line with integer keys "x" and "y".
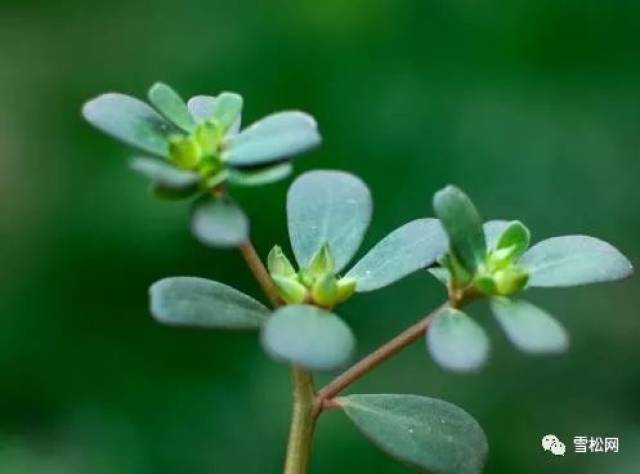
{"x": 532, "y": 106}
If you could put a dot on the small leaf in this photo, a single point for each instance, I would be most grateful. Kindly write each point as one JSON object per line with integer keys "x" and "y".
{"x": 190, "y": 301}
{"x": 411, "y": 247}
{"x": 308, "y": 336}
{"x": 463, "y": 225}
{"x": 441, "y": 274}
{"x": 171, "y": 105}
{"x": 331, "y": 207}
{"x": 165, "y": 175}
{"x": 227, "y": 109}
{"x": 516, "y": 235}
{"x": 431, "y": 434}
{"x": 492, "y": 231}
{"x": 219, "y": 223}
{"x": 529, "y": 328}
{"x": 276, "y": 136}
{"x": 202, "y": 107}
{"x": 574, "y": 260}
{"x": 267, "y": 175}
{"x": 129, "y": 120}
{"x": 457, "y": 342}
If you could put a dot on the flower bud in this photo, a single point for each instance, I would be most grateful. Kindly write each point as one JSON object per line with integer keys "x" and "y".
{"x": 208, "y": 137}
{"x": 290, "y": 289}
{"x": 510, "y": 280}
{"x": 322, "y": 262}
{"x": 325, "y": 290}
{"x": 278, "y": 263}
{"x": 185, "y": 152}
{"x": 346, "y": 288}
{"x": 486, "y": 284}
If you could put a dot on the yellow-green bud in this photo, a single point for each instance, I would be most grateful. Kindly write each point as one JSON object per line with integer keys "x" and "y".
{"x": 290, "y": 289}
{"x": 486, "y": 284}
{"x": 322, "y": 262}
{"x": 208, "y": 136}
{"x": 306, "y": 278}
{"x": 346, "y": 288}
{"x": 501, "y": 258}
{"x": 185, "y": 152}
{"x": 510, "y": 280}
{"x": 325, "y": 290}
{"x": 278, "y": 263}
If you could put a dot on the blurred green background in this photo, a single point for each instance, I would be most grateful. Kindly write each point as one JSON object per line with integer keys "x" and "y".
{"x": 532, "y": 106}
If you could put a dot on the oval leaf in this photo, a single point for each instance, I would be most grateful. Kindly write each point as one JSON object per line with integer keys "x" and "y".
{"x": 308, "y": 336}
{"x": 227, "y": 110}
{"x": 190, "y": 301}
{"x": 219, "y": 223}
{"x": 202, "y": 107}
{"x": 275, "y": 137}
{"x": 331, "y": 207}
{"x": 260, "y": 177}
{"x": 515, "y": 235}
{"x": 164, "y": 174}
{"x": 411, "y": 247}
{"x": 171, "y": 105}
{"x": 529, "y": 328}
{"x": 463, "y": 225}
{"x": 574, "y": 260}
{"x": 129, "y": 120}
{"x": 431, "y": 434}
{"x": 457, "y": 342}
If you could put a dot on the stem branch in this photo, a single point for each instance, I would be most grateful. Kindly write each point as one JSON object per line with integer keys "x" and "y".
{"x": 374, "y": 359}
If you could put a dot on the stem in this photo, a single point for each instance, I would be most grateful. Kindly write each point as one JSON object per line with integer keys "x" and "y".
{"x": 303, "y": 419}
{"x": 374, "y": 359}
{"x": 260, "y": 272}
{"x": 303, "y": 423}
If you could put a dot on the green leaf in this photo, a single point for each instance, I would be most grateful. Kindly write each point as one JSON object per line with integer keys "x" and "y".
{"x": 515, "y": 235}
{"x": 165, "y": 175}
{"x": 219, "y": 223}
{"x": 529, "y": 328}
{"x": 129, "y": 120}
{"x": 427, "y": 433}
{"x": 492, "y": 231}
{"x": 331, "y": 207}
{"x": 411, "y": 247}
{"x": 202, "y": 107}
{"x": 227, "y": 109}
{"x": 171, "y": 105}
{"x": 308, "y": 336}
{"x": 574, "y": 260}
{"x": 267, "y": 175}
{"x": 190, "y": 301}
{"x": 276, "y": 136}
{"x": 463, "y": 225}
{"x": 457, "y": 342}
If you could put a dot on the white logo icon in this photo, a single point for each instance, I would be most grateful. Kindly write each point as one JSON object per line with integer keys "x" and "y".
{"x": 551, "y": 443}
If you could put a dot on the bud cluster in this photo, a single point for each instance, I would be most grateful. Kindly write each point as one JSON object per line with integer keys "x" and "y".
{"x": 499, "y": 274}
{"x": 200, "y": 151}
{"x": 316, "y": 284}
